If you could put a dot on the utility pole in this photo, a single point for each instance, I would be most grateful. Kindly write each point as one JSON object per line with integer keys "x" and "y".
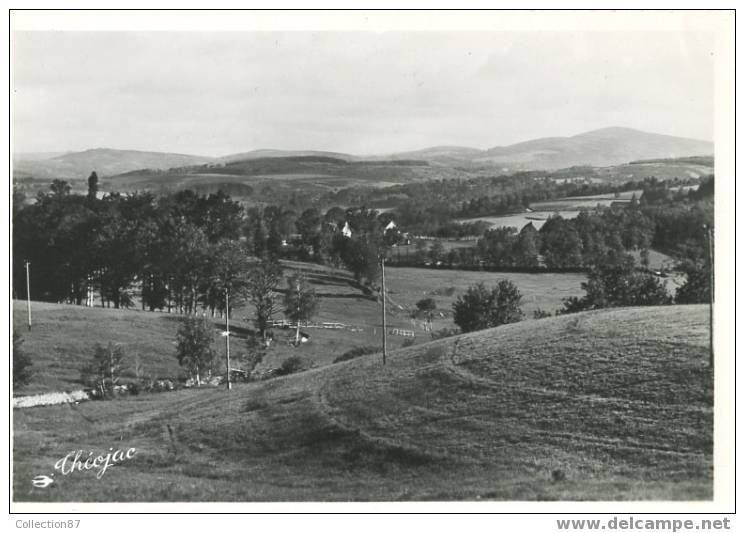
{"x": 227, "y": 337}
{"x": 28, "y": 293}
{"x": 297, "y": 316}
{"x": 382, "y": 290}
{"x": 710, "y": 242}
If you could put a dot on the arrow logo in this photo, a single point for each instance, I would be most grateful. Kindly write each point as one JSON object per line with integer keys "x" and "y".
{"x": 42, "y": 481}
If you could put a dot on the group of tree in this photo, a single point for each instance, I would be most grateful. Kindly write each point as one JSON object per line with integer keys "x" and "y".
{"x": 676, "y": 228}
{"x": 181, "y": 251}
{"x": 195, "y": 338}
{"x": 614, "y": 281}
{"x": 481, "y": 308}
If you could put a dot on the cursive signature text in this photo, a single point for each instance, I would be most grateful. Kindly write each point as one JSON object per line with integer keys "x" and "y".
{"x": 81, "y": 461}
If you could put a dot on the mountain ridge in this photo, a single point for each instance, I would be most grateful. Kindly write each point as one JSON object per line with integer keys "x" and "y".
{"x": 601, "y": 147}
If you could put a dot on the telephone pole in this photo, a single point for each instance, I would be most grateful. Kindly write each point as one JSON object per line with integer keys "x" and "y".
{"x": 382, "y": 290}
{"x": 297, "y": 316}
{"x": 28, "y": 293}
{"x": 227, "y": 337}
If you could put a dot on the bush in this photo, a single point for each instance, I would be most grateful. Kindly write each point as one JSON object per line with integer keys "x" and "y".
{"x": 134, "y": 388}
{"x": 481, "y": 308}
{"x": 443, "y": 291}
{"x": 357, "y": 352}
{"x": 446, "y": 332}
{"x": 614, "y": 282}
{"x": 21, "y": 362}
{"x": 104, "y": 369}
{"x": 540, "y": 313}
{"x": 426, "y": 304}
{"x": 291, "y": 365}
{"x": 408, "y": 342}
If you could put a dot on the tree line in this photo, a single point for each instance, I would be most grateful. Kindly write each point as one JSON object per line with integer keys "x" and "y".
{"x": 179, "y": 252}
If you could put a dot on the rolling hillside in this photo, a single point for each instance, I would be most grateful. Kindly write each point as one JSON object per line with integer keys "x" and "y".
{"x": 599, "y": 148}
{"x": 105, "y": 161}
{"x": 607, "y": 405}
{"x": 64, "y": 336}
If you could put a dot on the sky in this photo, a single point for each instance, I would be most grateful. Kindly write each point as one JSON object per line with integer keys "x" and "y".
{"x": 216, "y": 93}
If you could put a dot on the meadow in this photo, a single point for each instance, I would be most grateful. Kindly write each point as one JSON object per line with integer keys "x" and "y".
{"x": 63, "y": 336}
{"x": 605, "y": 405}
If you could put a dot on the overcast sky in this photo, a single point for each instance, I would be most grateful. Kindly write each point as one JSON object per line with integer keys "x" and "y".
{"x": 365, "y": 93}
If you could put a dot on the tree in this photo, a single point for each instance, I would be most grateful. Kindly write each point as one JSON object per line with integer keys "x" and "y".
{"x": 526, "y": 246}
{"x": 60, "y": 188}
{"x": 105, "y": 369}
{"x": 92, "y": 186}
{"x": 480, "y": 308}
{"x": 360, "y": 255}
{"x": 560, "y": 243}
{"x": 426, "y": 305}
{"x": 696, "y": 288}
{"x": 309, "y": 227}
{"x": 262, "y": 284}
{"x": 194, "y": 346}
{"x": 230, "y": 268}
{"x": 221, "y": 217}
{"x": 19, "y": 199}
{"x": 257, "y": 349}
{"x": 436, "y": 252}
{"x": 496, "y": 246}
{"x": 301, "y": 302}
{"x": 21, "y": 362}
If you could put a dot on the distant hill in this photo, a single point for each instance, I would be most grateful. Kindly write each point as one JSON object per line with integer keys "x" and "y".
{"x": 105, "y": 161}
{"x": 600, "y": 148}
{"x": 445, "y": 155}
{"x": 265, "y": 154}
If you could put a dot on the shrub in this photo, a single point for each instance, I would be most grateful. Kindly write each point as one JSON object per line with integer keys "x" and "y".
{"x": 481, "y": 308}
{"x": 443, "y": 291}
{"x": 134, "y": 388}
{"x": 291, "y": 365}
{"x": 540, "y": 313}
{"x": 357, "y": 352}
{"x": 21, "y": 362}
{"x": 426, "y": 304}
{"x": 446, "y": 332}
{"x": 104, "y": 369}
{"x": 613, "y": 281}
{"x": 408, "y": 342}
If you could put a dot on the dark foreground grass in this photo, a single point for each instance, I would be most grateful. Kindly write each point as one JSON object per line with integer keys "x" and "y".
{"x": 612, "y": 405}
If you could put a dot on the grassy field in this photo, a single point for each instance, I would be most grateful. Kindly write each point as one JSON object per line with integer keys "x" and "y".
{"x": 610, "y": 405}
{"x": 64, "y": 336}
{"x": 540, "y": 291}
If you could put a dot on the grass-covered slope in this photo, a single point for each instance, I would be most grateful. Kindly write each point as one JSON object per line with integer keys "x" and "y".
{"x": 604, "y": 405}
{"x": 63, "y": 339}
{"x": 63, "y": 336}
